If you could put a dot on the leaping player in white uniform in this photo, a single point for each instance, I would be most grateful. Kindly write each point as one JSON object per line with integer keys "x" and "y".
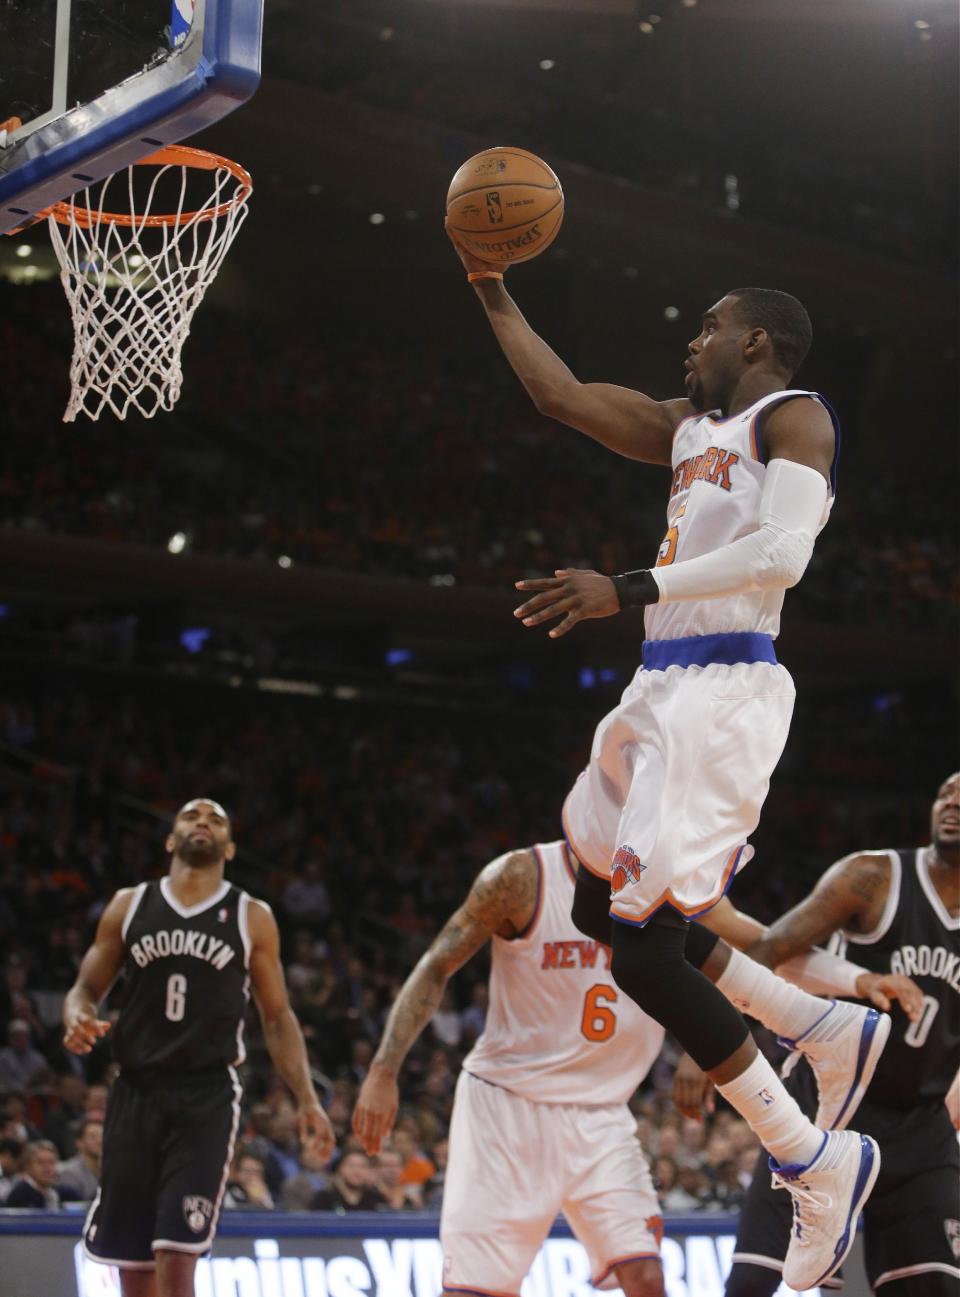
{"x": 680, "y": 769}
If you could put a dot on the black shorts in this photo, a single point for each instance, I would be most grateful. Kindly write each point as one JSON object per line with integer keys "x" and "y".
{"x": 167, "y": 1146}
{"x": 909, "y": 1220}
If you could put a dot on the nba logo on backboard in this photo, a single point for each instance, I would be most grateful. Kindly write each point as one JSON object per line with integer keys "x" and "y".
{"x": 181, "y": 18}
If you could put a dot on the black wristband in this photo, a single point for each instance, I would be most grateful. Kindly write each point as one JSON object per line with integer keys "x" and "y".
{"x": 636, "y": 589}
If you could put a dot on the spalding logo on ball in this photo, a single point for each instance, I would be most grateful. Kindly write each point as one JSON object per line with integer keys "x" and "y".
{"x": 504, "y": 205}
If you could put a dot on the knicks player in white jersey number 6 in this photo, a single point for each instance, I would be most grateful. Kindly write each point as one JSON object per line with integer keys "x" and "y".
{"x": 540, "y": 1121}
{"x": 679, "y": 771}
{"x": 191, "y": 947}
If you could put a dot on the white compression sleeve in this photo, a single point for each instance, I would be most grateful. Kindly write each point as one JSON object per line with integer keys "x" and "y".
{"x": 775, "y": 555}
{"x": 821, "y": 973}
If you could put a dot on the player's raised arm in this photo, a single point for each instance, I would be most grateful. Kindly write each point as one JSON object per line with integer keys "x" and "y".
{"x": 501, "y": 901}
{"x": 281, "y": 1030}
{"x": 98, "y": 970}
{"x": 628, "y": 422}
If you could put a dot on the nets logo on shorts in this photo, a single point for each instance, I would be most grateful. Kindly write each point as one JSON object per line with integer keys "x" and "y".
{"x": 952, "y": 1230}
{"x": 197, "y": 1212}
{"x": 626, "y": 869}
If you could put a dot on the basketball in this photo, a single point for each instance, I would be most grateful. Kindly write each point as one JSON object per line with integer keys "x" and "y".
{"x": 505, "y": 205}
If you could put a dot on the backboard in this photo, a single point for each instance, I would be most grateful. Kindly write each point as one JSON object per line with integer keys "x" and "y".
{"x": 97, "y": 84}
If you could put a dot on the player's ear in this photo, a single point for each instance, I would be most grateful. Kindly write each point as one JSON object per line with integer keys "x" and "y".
{"x": 231, "y": 851}
{"x": 169, "y": 844}
{"x": 754, "y": 343}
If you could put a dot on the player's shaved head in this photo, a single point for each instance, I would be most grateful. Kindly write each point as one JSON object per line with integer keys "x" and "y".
{"x": 782, "y": 317}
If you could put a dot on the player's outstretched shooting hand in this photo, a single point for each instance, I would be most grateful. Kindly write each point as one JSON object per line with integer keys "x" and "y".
{"x": 315, "y": 1131}
{"x": 881, "y": 988}
{"x": 574, "y": 594}
{"x": 471, "y": 264}
{"x": 376, "y": 1108}
{"x": 692, "y": 1089}
{"x": 82, "y": 1031}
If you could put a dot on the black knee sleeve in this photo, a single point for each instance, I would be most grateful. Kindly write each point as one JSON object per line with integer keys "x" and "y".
{"x": 701, "y": 943}
{"x": 591, "y": 906}
{"x": 752, "y": 1281}
{"x": 650, "y": 965}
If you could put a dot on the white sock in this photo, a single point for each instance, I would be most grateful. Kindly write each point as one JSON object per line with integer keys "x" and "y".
{"x": 774, "y": 1117}
{"x": 778, "y": 1004}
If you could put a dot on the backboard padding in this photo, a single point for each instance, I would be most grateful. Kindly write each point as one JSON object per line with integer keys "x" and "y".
{"x": 180, "y": 92}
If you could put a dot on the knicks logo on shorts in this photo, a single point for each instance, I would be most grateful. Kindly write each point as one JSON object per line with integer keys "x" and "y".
{"x": 626, "y": 869}
{"x": 197, "y": 1212}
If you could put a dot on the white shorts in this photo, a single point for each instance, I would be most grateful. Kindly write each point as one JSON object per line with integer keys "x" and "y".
{"x": 676, "y": 781}
{"x": 515, "y": 1164}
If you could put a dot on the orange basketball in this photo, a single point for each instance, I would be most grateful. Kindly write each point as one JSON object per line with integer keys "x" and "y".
{"x": 504, "y": 205}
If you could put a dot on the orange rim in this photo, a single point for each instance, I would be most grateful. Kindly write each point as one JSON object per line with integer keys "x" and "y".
{"x": 177, "y": 155}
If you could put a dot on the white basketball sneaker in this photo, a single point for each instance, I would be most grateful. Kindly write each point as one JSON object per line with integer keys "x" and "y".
{"x": 827, "y": 1198}
{"x": 843, "y": 1048}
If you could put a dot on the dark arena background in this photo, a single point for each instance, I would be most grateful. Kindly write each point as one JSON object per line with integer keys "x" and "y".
{"x": 294, "y": 592}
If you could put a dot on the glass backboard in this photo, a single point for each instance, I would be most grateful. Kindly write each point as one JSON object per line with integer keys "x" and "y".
{"x": 93, "y": 85}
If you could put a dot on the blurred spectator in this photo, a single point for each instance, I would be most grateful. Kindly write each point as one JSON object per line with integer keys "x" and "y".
{"x": 387, "y": 1172}
{"x": 79, "y": 1176}
{"x": 63, "y": 1119}
{"x": 474, "y": 1018}
{"x": 35, "y": 1187}
{"x": 11, "y": 1154}
{"x": 96, "y": 1101}
{"x": 350, "y": 1188}
{"x": 417, "y": 1167}
{"x": 433, "y": 1188}
{"x": 306, "y": 899}
{"x": 445, "y": 1023}
{"x": 18, "y": 1059}
{"x": 281, "y": 1159}
{"x": 301, "y": 1188}
{"x": 246, "y": 1187}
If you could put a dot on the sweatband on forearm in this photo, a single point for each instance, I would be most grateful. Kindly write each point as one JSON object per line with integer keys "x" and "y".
{"x": 635, "y": 589}
{"x": 774, "y": 556}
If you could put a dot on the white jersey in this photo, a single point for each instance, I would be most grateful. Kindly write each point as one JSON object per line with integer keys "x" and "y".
{"x": 718, "y": 477}
{"x": 559, "y": 1030}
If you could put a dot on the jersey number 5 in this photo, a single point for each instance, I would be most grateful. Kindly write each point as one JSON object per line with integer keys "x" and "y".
{"x": 176, "y": 997}
{"x": 599, "y": 1022}
{"x": 668, "y": 546}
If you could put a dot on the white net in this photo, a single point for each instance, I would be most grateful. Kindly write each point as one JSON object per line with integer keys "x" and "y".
{"x": 134, "y": 280}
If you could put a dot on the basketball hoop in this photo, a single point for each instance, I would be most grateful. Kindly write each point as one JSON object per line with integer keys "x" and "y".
{"x": 134, "y": 279}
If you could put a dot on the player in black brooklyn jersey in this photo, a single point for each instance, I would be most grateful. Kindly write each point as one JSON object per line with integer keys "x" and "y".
{"x": 191, "y": 948}
{"x": 900, "y": 911}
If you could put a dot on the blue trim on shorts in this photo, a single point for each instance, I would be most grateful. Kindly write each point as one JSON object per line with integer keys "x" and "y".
{"x": 702, "y": 650}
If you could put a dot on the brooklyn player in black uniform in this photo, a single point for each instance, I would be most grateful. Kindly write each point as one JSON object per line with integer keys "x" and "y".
{"x": 900, "y": 910}
{"x": 191, "y": 947}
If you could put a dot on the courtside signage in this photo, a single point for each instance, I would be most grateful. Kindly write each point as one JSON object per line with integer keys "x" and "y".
{"x": 694, "y": 1266}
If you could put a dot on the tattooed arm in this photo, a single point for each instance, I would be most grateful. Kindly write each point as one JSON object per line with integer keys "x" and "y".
{"x": 850, "y": 895}
{"x": 502, "y": 901}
